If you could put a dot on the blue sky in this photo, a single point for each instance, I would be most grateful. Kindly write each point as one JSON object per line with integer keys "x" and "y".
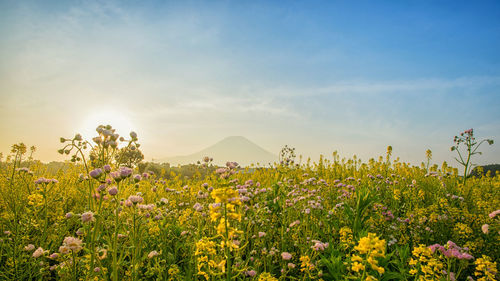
{"x": 351, "y": 76}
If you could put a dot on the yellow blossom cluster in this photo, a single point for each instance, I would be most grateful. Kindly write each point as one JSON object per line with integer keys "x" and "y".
{"x": 266, "y": 276}
{"x": 462, "y": 231}
{"x": 369, "y": 248}
{"x": 223, "y": 211}
{"x": 486, "y": 270}
{"x": 35, "y": 199}
{"x": 306, "y": 264}
{"x": 346, "y": 239}
{"x": 205, "y": 252}
{"x": 424, "y": 265}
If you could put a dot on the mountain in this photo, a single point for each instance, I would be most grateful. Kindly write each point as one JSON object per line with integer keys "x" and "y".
{"x": 236, "y": 148}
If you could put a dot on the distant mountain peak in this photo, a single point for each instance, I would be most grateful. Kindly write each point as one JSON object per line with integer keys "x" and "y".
{"x": 232, "y": 148}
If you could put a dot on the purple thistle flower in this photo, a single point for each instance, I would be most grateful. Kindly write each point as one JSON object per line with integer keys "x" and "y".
{"x": 95, "y": 174}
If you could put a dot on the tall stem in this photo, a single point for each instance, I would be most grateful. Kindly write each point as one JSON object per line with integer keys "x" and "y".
{"x": 115, "y": 245}
{"x": 228, "y": 257}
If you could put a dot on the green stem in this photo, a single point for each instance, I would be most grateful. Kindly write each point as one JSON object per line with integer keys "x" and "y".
{"x": 134, "y": 256}
{"x": 86, "y": 169}
{"x": 92, "y": 240}
{"x": 75, "y": 275}
{"x": 115, "y": 245}
{"x": 228, "y": 258}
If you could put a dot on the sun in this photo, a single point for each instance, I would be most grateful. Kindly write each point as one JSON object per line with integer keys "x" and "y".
{"x": 120, "y": 121}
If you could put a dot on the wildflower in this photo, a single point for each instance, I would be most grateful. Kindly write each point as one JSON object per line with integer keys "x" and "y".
{"x": 125, "y": 172}
{"x": 371, "y": 247}
{"x": 356, "y": 267}
{"x": 116, "y": 176}
{"x": 38, "y": 252}
{"x": 54, "y": 256}
{"x": 74, "y": 244}
{"x": 494, "y": 213}
{"x": 485, "y": 228}
{"x": 451, "y": 250}
{"x": 87, "y": 217}
{"x": 107, "y": 168}
{"x": 297, "y": 222}
{"x": 261, "y": 234}
{"x": 485, "y": 269}
{"x": 319, "y": 246}
{"x": 113, "y": 191}
{"x": 198, "y": 207}
{"x": 424, "y": 264}
{"x": 291, "y": 265}
{"x": 137, "y": 178}
{"x": 29, "y": 247}
{"x": 251, "y": 273}
{"x": 135, "y": 199}
{"x": 95, "y": 174}
{"x": 266, "y": 276}
{"x": 79, "y": 232}
{"x": 128, "y": 203}
{"x": 346, "y": 238}
{"x": 306, "y": 264}
{"x": 153, "y": 254}
{"x": 102, "y": 254}
{"x": 286, "y": 256}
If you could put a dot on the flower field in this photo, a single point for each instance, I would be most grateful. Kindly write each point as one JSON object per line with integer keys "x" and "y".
{"x": 336, "y": 219}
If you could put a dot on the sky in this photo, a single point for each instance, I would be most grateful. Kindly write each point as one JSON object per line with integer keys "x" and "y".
{"x": 320, "y": 76}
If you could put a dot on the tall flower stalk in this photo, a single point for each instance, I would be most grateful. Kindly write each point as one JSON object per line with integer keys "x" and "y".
{"x": 471, "y": 146}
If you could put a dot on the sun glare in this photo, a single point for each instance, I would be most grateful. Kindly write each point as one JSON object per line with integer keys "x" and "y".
{"x": 118, "y": 120}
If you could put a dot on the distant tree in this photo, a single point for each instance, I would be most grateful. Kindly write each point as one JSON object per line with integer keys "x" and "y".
{"x": 130, "y": 156}
{"x": 486, "y": 170}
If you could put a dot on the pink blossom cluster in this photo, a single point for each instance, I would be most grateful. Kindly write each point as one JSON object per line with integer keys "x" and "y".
{"x": 451, "y": 250}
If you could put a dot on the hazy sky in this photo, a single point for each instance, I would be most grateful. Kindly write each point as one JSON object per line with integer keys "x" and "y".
{"x": 320, "y": 76}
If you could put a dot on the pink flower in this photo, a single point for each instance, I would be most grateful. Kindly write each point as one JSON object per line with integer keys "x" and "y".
{"x": 87, "y": 217}
{"x": 38, "y": 252}
{"x": 153, "y": 254}
{"x": 319, "y": 246}
{"x": 494, "y": 213}
{"x": 251, "y": 273}
{"x": 198, "y": 207}
{"x": 72, "y": 243}
{"x": 485, "y": 228}
{"x": 113, "y": 191}
{"x": 297, "y": 222}
{"x": 135, "y": 199}
{"x": 286, "y": 256}
{"x": 261, "y": 234}
{"x": 29, "y": 247}
{"x": 128, "y": 203}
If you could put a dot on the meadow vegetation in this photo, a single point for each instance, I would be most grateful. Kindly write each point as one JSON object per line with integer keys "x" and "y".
{"x": 104, "y": 215}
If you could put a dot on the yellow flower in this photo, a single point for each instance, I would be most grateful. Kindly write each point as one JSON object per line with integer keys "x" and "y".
{"x": 356, "y": 258}
{"x": 306, "y": 264}
{"x": 266, "y": 276}
{"x": 485, "y": 269}
{"x": 370, "y": 278}
{"x": 356, "y": 266}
